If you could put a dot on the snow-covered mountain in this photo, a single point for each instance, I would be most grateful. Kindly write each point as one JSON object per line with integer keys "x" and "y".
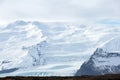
{"x": 33, "y": 48}
{"x": 48, "y": 49}
{"x": 105, "y": 60}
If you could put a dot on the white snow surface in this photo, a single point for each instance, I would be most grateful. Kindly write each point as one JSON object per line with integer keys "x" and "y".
{"x": 112, "y": 45}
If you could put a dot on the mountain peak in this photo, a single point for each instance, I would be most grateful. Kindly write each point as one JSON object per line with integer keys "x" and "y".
{"x": 105, "y": 60}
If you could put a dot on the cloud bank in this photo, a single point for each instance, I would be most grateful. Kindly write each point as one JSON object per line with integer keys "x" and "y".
{"x": 59, "y": 10}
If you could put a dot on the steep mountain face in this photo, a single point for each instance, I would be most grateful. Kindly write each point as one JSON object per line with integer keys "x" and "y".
{"x": 105, "y": 60}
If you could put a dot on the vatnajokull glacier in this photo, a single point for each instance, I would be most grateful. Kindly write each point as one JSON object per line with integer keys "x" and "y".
{"x": 33, "y": 48}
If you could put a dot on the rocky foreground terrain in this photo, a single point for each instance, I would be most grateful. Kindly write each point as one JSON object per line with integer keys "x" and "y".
{"x": 103, "y": 77}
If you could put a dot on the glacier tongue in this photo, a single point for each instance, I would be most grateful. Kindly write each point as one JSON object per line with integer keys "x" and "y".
{"x": 32, "y": 48}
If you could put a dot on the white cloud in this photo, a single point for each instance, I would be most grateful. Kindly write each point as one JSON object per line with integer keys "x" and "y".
{"x": 59, "y": 10}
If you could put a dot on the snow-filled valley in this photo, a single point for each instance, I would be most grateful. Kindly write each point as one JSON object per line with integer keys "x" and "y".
{"x": 49, "y": 49}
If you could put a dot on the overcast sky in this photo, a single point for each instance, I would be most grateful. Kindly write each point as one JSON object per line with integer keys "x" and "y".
{"x": 60, "y": 10}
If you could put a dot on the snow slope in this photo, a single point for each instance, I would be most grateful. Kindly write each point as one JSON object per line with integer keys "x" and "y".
{"x": 13, "y": 38}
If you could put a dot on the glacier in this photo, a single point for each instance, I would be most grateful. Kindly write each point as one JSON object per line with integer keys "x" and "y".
{"x": 33, "y": 48}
